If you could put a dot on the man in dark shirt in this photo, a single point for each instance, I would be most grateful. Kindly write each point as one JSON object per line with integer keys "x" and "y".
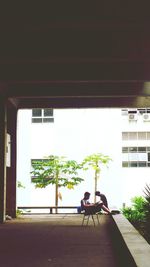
{"x": 102, "y": 197}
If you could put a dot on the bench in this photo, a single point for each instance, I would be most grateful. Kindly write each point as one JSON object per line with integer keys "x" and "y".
{"x": 50, "y": 208}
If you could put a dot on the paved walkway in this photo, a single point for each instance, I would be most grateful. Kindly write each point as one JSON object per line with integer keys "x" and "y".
{"x": 56, "y": 241}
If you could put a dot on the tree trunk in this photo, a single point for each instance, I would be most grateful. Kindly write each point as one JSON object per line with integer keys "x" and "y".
{"x": 95, "y": 189}
{"x": 56, "y": 193}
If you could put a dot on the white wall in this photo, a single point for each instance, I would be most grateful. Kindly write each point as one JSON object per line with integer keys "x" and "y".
{"x": 77, "y": 133}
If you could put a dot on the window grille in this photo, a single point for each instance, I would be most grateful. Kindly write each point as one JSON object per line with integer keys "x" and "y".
{"x": 42, "y": 115}
{"x": 136, "y": 156}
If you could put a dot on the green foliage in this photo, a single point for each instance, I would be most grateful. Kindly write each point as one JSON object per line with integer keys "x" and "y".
{"x": 20, "y": 185}
{"x": 94, "y": 161}
{"x": 147, "y": 213}
{"x": 56, "y": 170}
{"x": 18, "y": 213}
{"x": 138, "y": 203}
{"x": 147, "y": 202}
{"x": 135, "y": 214}
{"x": 139, "y": 213}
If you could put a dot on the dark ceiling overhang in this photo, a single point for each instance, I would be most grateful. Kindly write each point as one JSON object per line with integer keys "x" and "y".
{"x": 88, "y": 55}
{"x": 76, "y": 94}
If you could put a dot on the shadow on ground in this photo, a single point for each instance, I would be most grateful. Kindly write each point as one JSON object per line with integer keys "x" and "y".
{"x": 43, "y": 241}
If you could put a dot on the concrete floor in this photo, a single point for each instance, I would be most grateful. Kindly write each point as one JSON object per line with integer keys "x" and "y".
{"x": 56, "y": 240}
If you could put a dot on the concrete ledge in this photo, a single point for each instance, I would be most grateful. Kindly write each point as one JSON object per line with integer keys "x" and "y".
{"x": 135, "y": 243}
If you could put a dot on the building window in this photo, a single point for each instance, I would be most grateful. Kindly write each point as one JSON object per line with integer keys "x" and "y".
{"x": 132, "y": 136}
{"x": 142, "y": 136}
{"x": 42, "y": 115}
{"x": 127, "y": 136}
{"x": 135, "y": 156}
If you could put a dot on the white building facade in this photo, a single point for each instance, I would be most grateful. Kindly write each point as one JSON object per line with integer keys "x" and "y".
{"x": 122, "y": 134}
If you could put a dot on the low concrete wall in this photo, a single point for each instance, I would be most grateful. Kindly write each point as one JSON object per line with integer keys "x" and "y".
{"x": 137, "y": 246}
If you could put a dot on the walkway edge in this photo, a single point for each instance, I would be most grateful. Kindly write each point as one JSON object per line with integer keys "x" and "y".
{"x": 136, "y": 244}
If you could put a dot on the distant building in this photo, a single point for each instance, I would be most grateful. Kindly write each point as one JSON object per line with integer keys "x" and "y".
{"x": 122, "y": 134}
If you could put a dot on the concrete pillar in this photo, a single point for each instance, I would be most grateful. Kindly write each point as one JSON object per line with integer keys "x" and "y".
{"x": 11, "y": 169}
{"x": 3, "y": 130}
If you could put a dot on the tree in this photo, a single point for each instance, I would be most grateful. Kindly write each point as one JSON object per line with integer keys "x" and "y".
{"x": 57, "y": 171}
{"x": 95, "y": 161}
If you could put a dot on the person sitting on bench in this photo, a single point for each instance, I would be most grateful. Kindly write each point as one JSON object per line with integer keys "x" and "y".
{"x": 102, "y": 197}
{"x": 92, "y": 208}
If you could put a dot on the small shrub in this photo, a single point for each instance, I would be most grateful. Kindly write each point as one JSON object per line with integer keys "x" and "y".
{"x": 18, "y": 212}
{"x": 139, "y": 214}
{"x": 147, "y": 213}
{"x": 136, "y": 213}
